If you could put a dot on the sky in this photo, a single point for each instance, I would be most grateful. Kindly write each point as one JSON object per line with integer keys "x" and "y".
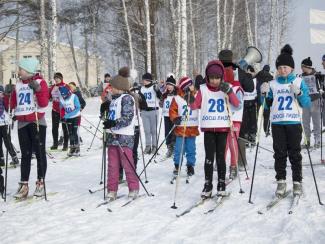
{"x": 300, "y": 34}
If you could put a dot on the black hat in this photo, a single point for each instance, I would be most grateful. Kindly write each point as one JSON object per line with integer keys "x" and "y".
{"x": 147, "y": 76}
{"x": 266, "y": 68}
{"x": 307, "y": 63}
{"x": 225, "y": 56}
{"x": 107, "y": 75}
{"x": 171, "y": 81}
{"x": 250, "y": 68}
{"x": 285, "y": 58}
{"x": 58, "y": 75}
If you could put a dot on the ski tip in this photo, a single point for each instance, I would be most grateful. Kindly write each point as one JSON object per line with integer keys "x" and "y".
{"x": 109, "y": 210}
{"x": 82, "y": 210}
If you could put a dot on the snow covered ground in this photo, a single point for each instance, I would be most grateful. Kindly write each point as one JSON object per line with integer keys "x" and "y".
{"x": 151, "y": 219}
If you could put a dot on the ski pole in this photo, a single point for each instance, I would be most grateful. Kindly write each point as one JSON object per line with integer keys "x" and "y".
{"x": 232, "y": 132}
{"x": 260, "y": 120}
{"x": 103, "y": 172}
{"x": 170, "y": 132}
{"x": 92, "y": 141}
{"x": 92, "y": 124}
{"x": 84, "y": 127}
{"x": 159, "y": 132}
{"x": 264, "y": 148}
{"x": 132, "y": 166}
{"x": 305, "y": 142}
{"x": 182, "y": 151}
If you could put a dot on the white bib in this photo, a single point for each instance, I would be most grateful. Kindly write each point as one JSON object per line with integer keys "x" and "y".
{"x": 284, "y": 107}
{"x": 190, "y": 118}
{"x": 237, "y": 113}
{"x": 114, "y": 113}
{"x": 248, "y": 96}
{"x": 55, "y": 93}
{"x": 25, "y": 99}
{"x": 213, "y": 109}
{"x": 166, "y": 105}
{"x": 310, "y": 81}
{"x": 68, "y": 105}
{"x": 151, "y": 97}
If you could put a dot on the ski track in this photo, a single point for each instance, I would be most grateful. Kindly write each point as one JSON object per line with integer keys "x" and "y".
{"x": 151, "y": 219}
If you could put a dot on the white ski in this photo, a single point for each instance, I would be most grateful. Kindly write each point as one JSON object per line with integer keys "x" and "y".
{"x": 218, "y": 201}
{"x": 273, "y": 203}
{"x": 294, "y": 204}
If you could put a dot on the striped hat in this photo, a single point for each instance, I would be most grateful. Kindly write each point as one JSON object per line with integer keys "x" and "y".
{"x": 184, "y": 82}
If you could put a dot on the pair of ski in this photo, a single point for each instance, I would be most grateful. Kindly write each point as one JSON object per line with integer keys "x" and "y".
{"x": 127, "y": 202}
{"x": 274, "y": 202}
{"x": 33, "y": 199}
{"x": 97, "y": 189}
{"x": 174, "y": 177}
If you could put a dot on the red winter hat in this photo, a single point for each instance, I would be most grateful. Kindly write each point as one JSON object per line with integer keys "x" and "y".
{"x": 214, "y": 67}
{"x": 184, "y": 82}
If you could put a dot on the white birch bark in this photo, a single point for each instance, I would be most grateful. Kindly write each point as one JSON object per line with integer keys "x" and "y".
{"x": 232, "y": 24}
{"x": 255, "y": 23}
{"x": 43, "y": 37}
{"x": 270, "y": 35}
{"x": 175, "y": 35}
{"x": 148, "y": 39}
{"x": 129, "y": 34}
{"x": 283, "y": 22}
{"x": 53, "y": 35}
{"x": 183, "y": 68}
{"x": 193, "y": 36}
{"x": 17, "y": 40}
{"x": 178, "y": 41}
{"x": 218, "y": 27}
{"x": 248, "y": 25}
{"x": 225, "y": 31}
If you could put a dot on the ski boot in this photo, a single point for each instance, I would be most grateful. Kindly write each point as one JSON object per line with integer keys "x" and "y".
{"x": 153, "y": 150}
{"x": 54, "y": 146}
{"x": 147, "y": 150}
{"x": 190, "y": 170}
{"x": 71, "y": 151}
{"x": 60, "y": 141}
{"x": 133, "y": 194}
{"x": 207, "y": 190}
{"x": 232, "y": 172}
{"x": 175, "y": 171}
{"x": 281, "y": 188}
{"x": 65, "y": 147}
{"x": 111, "y": 196}
{"x": 305, "y": 146}
{"x": 170, "y": 150}
{"x": 221, "y": 188}
{"x": 15, "y": 161}
{"x": 297, "y": 188}
{"x": 76, "y": 151}
{"x": 39, "y": 190}
{"x": 22, "y": 191}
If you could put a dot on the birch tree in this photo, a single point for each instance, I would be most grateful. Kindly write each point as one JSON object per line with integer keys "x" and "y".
{"x": 43, "y": 36}
{"x": 248, "y": 25}
{"x": 128, "y": 33}
{"x": 218, "y": 26}
{"x": 183, "y": 61}
{"x": 148, "y": 35}
{"x": 270, "y": 35}
{"x": 193, "y": 36}
{"x": 232, "y": 23}
{"x": 53, "y": 43}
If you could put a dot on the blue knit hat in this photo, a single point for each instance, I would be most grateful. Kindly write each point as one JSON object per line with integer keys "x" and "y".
{"x": 65, "y": 92}
{"x": 29, "y": 64}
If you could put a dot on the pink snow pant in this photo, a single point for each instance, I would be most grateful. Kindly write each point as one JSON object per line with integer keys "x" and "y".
{"x": 115, "y": 159}
{"x": 232, "y": 144}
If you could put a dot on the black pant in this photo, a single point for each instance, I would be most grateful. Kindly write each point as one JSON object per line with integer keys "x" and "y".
{"x": 215, "y": 144}
{"x": 136, "y": 144}
{"x": 266, "y": 120}
{"x": 249, "y": 123}
{"x": 286, "y": 142}
{"x": 168, "y": 126}
{"x": 30, "y": 139}
{"x": 7, "y": 140}
{"x": 55, "y": 129}
{"x": 73, "y": 130}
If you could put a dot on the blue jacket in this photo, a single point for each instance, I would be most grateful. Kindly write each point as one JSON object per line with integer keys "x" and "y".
{"x": 72, "y": 114}
{"x": 303, "y": 100}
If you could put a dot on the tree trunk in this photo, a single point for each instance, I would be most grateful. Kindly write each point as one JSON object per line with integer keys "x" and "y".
{"x": 224, "y": 35}
{"x": 183, "y": 69}
{"x": 153, "y": 9}
{"x": 218, "y": 26}
{"x": 193, "y": 37}
{"x": 255, "y": 22}
{"x": 128, "y": 33}
{"x": 148, "y": 35}
{"x": 178, "y": 41}
{"x": 231, "y": 32}
{"x": 86, "y": 58}
{"x": 283, "y": 22}
{"x": 271, "y": 35}
{"x": 17, "y": 41}
{"x": 248, "y": 25}
{"x": 54, "y": 35}
{"x": 43, "y": 37}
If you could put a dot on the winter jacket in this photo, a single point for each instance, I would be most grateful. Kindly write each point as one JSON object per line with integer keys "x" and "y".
{"x": 316, "y": 96}
{"x": 173, "y": 114}
{"x": 41, "y": 99}
{"x": 81, "y": 99}
{"x": 54, "y": 95}
{"x": 303, "y": 100}
{"x": 75, "y": 112}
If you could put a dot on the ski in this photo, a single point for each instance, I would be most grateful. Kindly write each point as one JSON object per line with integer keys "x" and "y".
{"x": 32, "y": 199}
{"x": 294, "y": 204}
{"x": 132, "y": 200}
{"x": 218, "y": 201}
{"x": 195, "y": 205}
{"x": 109, "y": 201}
{"x": 94, "y": 190}
{"x": 273, "y": 203}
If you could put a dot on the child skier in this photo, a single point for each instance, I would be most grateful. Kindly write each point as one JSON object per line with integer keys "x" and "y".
{"x": 120, "y": 127}
{"x": 283, "y": 96}
{"x": 70, "y": 104}
{"x": 54, "y": 95}
{"x": 29, "y": 99}
{"x": 214, "y": 123}
{"x": 150, "y": 115}
{"x": 236, "y": 117}
{"x": 4, "y": 135}
{"x": 166, "y": 99}
{"x": 187, "y": 123}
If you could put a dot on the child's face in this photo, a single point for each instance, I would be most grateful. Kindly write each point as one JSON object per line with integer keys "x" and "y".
{"x": 214, "y": 81}
{"x": 284, "y": 70}
{"x": 146, "y": 82}
{"x": 169, "y": 88}
{"x": 57, "y": 80}
{"x": 23, "y": 74}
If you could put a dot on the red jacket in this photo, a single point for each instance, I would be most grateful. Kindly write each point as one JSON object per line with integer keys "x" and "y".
{"x": 41, "y": 98}
{"x": 54, "y": 95}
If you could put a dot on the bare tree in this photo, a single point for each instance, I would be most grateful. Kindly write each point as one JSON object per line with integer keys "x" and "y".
{"x": 183, "y": 68}
{"x": 43, "y": 36}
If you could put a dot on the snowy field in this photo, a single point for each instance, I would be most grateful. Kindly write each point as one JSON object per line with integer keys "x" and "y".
{"x": 151, "y": 219}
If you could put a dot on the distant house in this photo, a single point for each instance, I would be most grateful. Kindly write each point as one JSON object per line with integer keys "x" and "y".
{"x": 65, "y": 63}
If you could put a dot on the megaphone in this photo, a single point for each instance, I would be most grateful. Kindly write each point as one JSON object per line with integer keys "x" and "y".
{"x": 253, "y": 55}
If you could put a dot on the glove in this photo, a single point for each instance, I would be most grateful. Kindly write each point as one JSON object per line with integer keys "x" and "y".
{"x": 225, "y": 87}
{"x": 177, "y": 120}
{"x": 295, "y": 89}
{"x": 34, "y": 85}
{"x": 321, "y": 91}
{"x": 265, "y": 88}
{"x": 9, "y": 88}
{"x": 109, "y": 123}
